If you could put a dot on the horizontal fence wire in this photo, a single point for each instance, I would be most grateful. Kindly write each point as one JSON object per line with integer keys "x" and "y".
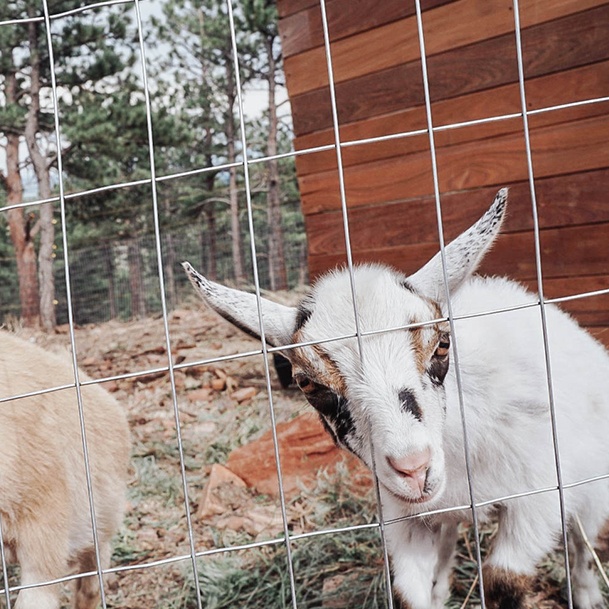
{"x": 287, "y": 538}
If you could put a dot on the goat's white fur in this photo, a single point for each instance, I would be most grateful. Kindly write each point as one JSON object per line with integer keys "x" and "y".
{"x": 44, "y": 505}
{"x": 506, "y": 407}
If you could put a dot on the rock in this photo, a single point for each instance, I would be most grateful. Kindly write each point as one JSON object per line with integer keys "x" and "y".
{"x": 220, "y": 373}
{"x": 244, "y": 394}
{"x": 218, "y": 384}
{"x": 199, "y": 395}
{"x": 218, "y": 494}
{"x": 304, "y": 448}
{"x": 255, "y": 521}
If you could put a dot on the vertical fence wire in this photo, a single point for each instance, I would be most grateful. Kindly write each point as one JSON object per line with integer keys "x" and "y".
{"x": 542, "y": 304}
{"x": 267, "y": 376}
{"x": 161, "y": 276}
{"x": 451, "y": 320}
{"x": 347, "y": 237}
{"x": 64, "y": 236}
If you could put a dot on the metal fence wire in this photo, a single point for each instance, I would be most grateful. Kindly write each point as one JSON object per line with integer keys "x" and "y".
{"x": 287, "y": 539}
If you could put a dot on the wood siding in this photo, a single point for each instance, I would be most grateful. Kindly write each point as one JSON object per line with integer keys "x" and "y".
{"x": 473, "y": 74}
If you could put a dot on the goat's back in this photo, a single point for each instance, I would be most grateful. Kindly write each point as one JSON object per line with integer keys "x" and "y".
{"x": 503, "y": 368}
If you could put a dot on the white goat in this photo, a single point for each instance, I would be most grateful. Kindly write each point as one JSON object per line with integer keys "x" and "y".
{"x": 44, "y": 505}
{"x": 396, "y": 405}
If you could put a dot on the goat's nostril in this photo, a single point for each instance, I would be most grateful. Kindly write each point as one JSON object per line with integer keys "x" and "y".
{"x": 413, "y": 467}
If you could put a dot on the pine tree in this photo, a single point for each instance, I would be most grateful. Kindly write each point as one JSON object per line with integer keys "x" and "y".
{"x": 85, "y": 51}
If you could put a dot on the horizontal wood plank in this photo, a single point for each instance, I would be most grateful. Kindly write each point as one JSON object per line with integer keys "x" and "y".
{"x": 449, "y": 27}
{"x": 572, "y": 200}
{"x": 566, "y": 43}
{"x": 285, "y": 8}
{"x": 587, "y": 82}
{"x": 589, "y": 311}
{"x": 557, "y": 150}
{"x": 566, "y": 253}
{"x": 302, "y": 30}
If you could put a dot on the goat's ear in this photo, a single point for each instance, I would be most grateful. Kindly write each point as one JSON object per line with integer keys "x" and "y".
{"x": 241, "y": 309}
{"x": 463, "y": 255}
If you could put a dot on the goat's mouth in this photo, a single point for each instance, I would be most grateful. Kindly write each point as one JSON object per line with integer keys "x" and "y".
{"x": 428, "y": 494}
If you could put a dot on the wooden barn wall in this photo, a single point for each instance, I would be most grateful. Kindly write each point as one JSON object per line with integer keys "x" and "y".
{"x": 473, "y": 74}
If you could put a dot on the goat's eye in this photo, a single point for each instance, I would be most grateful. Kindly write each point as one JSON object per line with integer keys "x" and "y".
{"x": 443, "y": 346}
{"x": 305, "y": 384}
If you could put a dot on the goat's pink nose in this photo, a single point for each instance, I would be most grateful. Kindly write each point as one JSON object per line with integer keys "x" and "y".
{"x": 413, "y": 468}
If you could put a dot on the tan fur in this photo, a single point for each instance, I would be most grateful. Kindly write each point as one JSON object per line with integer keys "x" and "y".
{"x": 44, "y": 505}
{"x": 315, "y": 363}
{"x": 425, "y": 340}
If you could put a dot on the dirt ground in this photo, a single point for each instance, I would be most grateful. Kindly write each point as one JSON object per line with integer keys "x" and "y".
{"x": 221, "y": 404}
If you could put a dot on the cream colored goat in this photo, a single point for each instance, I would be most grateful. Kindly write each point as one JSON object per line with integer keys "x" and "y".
{"x": 44, "y": 505}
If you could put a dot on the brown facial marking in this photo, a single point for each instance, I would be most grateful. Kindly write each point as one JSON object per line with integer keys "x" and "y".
{"x": 423, "y": 351}
{"x": 504, "y": 589}
{"x": 330, "y": 376}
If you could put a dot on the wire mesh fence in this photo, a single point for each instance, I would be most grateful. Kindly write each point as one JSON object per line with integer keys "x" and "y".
{"x": 139, "y": 277}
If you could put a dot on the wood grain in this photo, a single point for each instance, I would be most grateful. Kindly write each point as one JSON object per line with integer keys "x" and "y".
{"x": 571, "y": 200}
{"x": 447, "y": 27}
{"x": 551, "y": 47}
{"x": 557, "y": 150}
{"x": 601, "y": 334}
{"x": 302, "y": 30}
{"x": 569, "y": 86}
{"x": 566, "y": 252}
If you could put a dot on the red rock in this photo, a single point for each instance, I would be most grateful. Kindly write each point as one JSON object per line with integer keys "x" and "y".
{"x": 304, "y": 448}
{"x": 244, "y": 394}
{"x": 218, "y": 384}
{"x": 211, "y": 503}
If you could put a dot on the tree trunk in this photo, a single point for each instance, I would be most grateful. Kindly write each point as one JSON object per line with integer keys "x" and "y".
{"x": 109, "y": 265}
{"x": 236, "y": 243}
{"x": 211, "y": 260}
{"x": 170, "y": 261}
{"x": 170, "y": 279}
{"x": 276, "y": 253}
{"x": 20, "y": 229}
{"x": 41, "y": 169}
{"x": 138, "y": 304}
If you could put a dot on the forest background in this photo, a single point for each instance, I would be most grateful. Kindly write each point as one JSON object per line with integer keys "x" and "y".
{"x": 103, "y": 147}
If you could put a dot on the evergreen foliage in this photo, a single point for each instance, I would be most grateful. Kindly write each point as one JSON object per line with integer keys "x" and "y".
{"x": 105, "y": 155}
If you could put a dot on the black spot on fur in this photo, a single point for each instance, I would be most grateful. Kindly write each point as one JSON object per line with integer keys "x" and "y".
{"x": 408, "y": 403}
{"x": 437, "y": 369}
{"x": 283, "y": 369}
{"x": 302, "y": 316}
{"x": 408, "y": 286}
{"x": 334, "y": 412}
